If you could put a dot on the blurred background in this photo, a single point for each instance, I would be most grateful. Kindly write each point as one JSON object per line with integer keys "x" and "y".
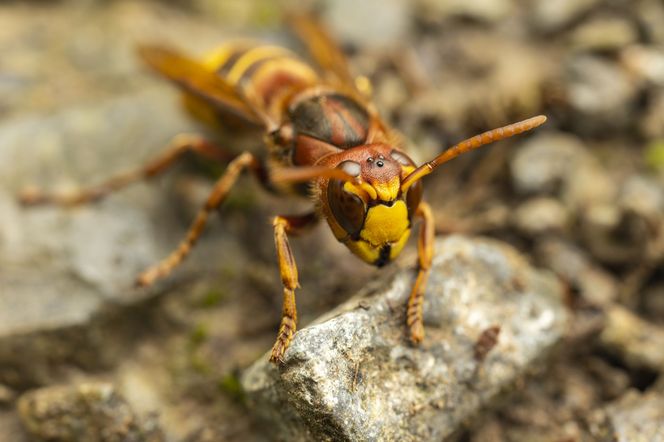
{"x": 582, "y": 196}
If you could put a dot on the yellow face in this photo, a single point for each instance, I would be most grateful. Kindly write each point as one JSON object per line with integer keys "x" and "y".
{"x": 371, "y": 215}
{"x": 385, "y": 233}
{"x": 373, "y": 221}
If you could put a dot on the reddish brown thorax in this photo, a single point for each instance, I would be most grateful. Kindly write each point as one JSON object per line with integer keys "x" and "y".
{"x": 324, "y": 123}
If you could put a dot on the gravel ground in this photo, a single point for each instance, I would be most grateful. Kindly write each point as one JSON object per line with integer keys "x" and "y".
{"x": 582, "y": 198}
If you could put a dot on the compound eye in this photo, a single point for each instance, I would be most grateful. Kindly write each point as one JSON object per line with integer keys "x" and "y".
{"x": 414, "y": 193}
{"x": 347, "y": 208}
{"x": 401, "y": 158}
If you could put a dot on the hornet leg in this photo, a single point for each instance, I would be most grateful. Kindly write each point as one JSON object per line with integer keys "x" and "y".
{"x": 216, "y": 197}
{"x": 283, "y": 225}
{"x": 425, "y": 256}
{"x": 179, "y": 145}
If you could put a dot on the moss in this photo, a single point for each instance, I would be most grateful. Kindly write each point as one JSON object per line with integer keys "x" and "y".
{"x": 211, "y": 298}
{"x": 230, "y": 385}
{"x": 242, "y": 199}
{"x": 198, "y": 335}
{"x": 654, "y": 155}
{"x": 199, "y": 364}
{"x": 267, "y": 13}
{"x": 196, "y": 360}
{"x": 227, "y": 272}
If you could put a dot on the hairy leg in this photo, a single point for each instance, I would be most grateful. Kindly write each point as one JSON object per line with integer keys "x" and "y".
{"x": 425, "y": 256}
{"x": 216, "y": 197}
{"x": 177, "y": 148}
{"x": 284, "y": 225}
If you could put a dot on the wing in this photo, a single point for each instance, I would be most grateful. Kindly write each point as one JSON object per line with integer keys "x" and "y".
{"x": 195, "y": 79}
{"x": 326, "y": 52}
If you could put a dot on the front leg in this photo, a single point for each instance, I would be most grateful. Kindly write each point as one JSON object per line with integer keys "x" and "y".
{"x": 283, "y": 225}
{"x": 425, "y": 255}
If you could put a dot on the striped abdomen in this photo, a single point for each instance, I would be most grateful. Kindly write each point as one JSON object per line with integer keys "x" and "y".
{"x": 266, "y": 76}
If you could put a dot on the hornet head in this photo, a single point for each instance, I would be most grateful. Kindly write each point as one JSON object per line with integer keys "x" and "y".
{"x": 371, "y": 215}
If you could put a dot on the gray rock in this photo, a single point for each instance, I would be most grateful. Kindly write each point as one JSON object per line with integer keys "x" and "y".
{"x": 601, "y": 94}
{"x": 67, "y": 274}
{"x": 77, "y": 52}
{"x": 604, "y": 33}
{"x": 6, "y": 395}
{"x": 618, "y": 236}
{"x": 643, "y": 195}
{"x": 635, "y": 341}
{"x": 552, "y": 16}
{"x": 507, "y": 79}
{"x": 628, "y": 230}
{"x": 634, "y": 417}
{"x": 545, "y": 161}
{"x": 573, "y": 265}
{"x": 84, "y": 413}
{"x": 390, "y": 92}
{"x": 486, "y": 10}
{"x": 588, "y": 184}
{"x": 647, "y": 63}
{"x": 652, "y": 125}
{"x": 353, "y": 375}
{"x": 347, "y": 20}
{"x": 651, "y": 17}
{"x": 537, "y": 216}
{"x": 11, "y": 429}
{"x": 558, "y": 163}
{"x": 653, "y": 303}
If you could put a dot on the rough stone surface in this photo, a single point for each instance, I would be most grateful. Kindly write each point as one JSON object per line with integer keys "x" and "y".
{"x": 550, "y": 16}
{"x": 354, "y": 376}
{"x": 574, "y": 266}
{"x": 345, "y": 16}
{"x": 638, "y": 342}
{"x": 541, "y": 215}
{"x": 84, "y": 413}
{"x": 643, "y": 195}
{"x": 87, "y": 257}
{"x": 11, "y": 429}
{"x": 545, "y": 161}
{"x": 634, "y": 417}
{"x": 559, "y": 163}
{"x": 604, "y": 34}
{"x": 600, "y": 94}
{"x": 6, "y": 395}
{"x": 487, "y": 10}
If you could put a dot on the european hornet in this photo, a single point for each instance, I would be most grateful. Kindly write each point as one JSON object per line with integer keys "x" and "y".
{"x": 319, "y": 127}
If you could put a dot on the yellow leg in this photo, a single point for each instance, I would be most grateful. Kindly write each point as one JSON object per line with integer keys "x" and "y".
{"x": 180, "y": 144}
{"x": 216, "y": 197}
{"x": 425, "y": 255}
{"x": 283, "y": 225}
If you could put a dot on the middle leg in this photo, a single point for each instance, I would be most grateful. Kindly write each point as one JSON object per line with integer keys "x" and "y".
{"x": 217, "y": 196}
